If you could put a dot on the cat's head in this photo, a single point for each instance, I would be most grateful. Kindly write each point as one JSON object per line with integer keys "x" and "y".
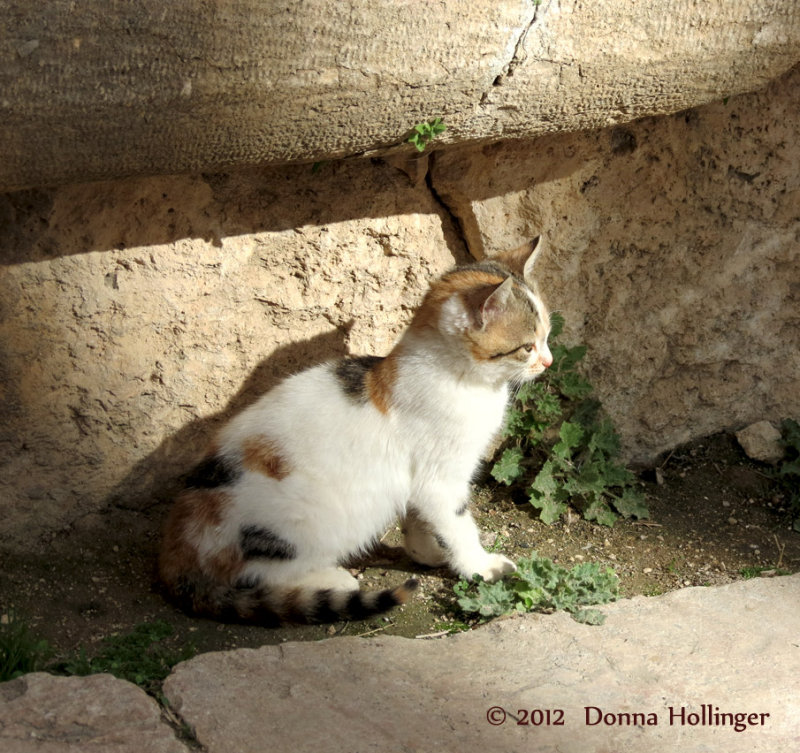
{"x": 491, "y": 314}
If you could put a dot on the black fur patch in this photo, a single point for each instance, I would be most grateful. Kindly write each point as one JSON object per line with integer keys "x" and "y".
{"x": 461, "y": 510}
{"x": 247, "y": 583}
{"x": 322, "y": 610}
{"x": 356, "y": 609}
{"x": 261, "y": 543}
{"x": 212, "y": 472}
{"x": 440, "y": 541}
{"x": 352, "y": 374}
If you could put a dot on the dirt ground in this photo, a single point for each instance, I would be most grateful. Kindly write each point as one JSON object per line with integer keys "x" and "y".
{"x": 715, "y": 518}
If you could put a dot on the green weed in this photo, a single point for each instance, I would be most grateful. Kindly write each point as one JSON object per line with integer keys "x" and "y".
{"x": 20, "y": 651}
{"x": 140, "y": 656}
{"x": 756, "y": 570}
{"x": 788, "y": 472}
{"x": 541, "y": 585}
{"x": 424, "y": 133}
{"x": 561, "y": 446}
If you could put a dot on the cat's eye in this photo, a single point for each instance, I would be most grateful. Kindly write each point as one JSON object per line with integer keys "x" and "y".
{"x": 528, "y": 348}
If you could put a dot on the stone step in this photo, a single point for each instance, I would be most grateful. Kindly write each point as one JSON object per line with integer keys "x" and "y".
{"x": 701, "y": 669}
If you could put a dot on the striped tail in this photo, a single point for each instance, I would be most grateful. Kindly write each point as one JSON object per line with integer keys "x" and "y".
{"x": 271, "y": 606}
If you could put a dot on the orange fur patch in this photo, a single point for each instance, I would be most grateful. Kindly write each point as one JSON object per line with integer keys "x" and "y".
{"x": 193, "y": 511}
{"x": 263, "y": 456}
{"x": 403, "y": 593}
{"x": 516, "y": 258}
{"x": 460, "y": 282}
{"x": 226, "y": 565}
{"x": 380, "y": 383}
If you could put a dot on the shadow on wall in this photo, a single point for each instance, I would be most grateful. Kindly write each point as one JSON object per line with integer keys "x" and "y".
{"x": 44, "y": 224}
{"x": 130, "y": 307}
{"x": 158, "y": 477}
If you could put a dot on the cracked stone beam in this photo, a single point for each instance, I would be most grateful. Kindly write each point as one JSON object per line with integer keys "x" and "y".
{"x": 108, "y": 89}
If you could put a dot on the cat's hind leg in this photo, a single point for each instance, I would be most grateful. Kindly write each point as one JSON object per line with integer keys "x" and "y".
{"x": 420, "y": 541}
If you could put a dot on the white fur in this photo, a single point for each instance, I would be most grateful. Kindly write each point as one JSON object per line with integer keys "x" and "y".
{"x": 354, "y": 470}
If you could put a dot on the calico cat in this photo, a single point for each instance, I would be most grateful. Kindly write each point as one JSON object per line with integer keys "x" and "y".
{"x": 320, "y": 466}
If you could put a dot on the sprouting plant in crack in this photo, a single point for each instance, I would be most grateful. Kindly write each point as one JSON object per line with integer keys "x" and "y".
{"x": 424, "y": 133}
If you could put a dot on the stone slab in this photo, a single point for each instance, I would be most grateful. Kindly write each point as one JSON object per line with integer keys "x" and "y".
{"x": 105, "y": 88}
{"x": 40, "y": 713}
{"x": 695, "y": 654}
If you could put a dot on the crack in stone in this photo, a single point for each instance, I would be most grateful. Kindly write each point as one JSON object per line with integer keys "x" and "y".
{"x": 184, "y": 732}
{"x": 511, "y": 66}
{"x": 455, "y": 220}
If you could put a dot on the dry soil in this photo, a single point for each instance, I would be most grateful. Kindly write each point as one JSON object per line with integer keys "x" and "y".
{"x": 715, "y": 517}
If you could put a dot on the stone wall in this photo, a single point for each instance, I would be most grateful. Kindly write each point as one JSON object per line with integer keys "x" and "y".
{"x": 134, "y": 314}
{"x": 109, "y": 88}
{"x": 675, "y": 256}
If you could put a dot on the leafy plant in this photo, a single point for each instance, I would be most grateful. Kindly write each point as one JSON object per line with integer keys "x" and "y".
{"x": 557, "y": 434}
{"x": 788, "y": 472}
{"x": 424, "y": 133}
{"x": 539, "y": 584}
{"x": 20, "y": 651}
{"x": 755, "y": 571}
{"x": 139, "y": 656}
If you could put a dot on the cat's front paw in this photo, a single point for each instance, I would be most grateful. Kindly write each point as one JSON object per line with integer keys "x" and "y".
{"x": 495, "y": 567}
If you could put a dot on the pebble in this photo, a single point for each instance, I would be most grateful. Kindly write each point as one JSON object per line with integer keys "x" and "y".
{"x": 647, "y": 570}
{"x": 732, "y": 521}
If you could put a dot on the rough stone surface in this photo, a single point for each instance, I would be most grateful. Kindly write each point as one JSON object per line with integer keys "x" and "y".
{"x": 733, "y": 649}
{"x": 761, "y": 441}
{"x": 103, "y": 88}
{"x": 40, "y": 713}
{"x": 675, "y": 245}
{"x": 135, "y": 314}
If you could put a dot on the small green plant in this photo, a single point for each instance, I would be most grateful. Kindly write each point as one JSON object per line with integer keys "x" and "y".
{"x": 788, "y": 472}
{"x": 557, "y": 434}
{"x": 424, "y": 133}
{"x": 541, "y": 585}
{"x": 20, "y": 651}
{"x": 139, "y": 656}
{"x": 755, "y": 571}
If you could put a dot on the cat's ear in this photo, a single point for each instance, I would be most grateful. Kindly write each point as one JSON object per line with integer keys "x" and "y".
{"x": 496, "y": 303}
{"x": 522, "y": 260}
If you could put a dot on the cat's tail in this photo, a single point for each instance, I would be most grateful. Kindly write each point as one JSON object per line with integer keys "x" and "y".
{"x": 267, "y": 605}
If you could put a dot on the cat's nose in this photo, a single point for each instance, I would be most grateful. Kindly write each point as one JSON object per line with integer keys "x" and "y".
{"x": 546, "y": 357}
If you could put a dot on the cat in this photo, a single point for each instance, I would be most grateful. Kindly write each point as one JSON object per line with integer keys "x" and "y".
{"x": 320, "y": 466}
